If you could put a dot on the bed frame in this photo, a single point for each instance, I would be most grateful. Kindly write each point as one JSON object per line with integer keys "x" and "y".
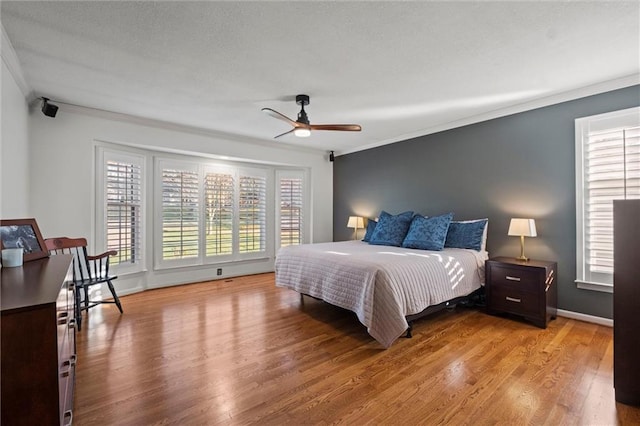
{"x": 474, "y": 299}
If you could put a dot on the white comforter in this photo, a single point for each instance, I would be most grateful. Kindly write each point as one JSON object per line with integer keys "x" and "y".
{"x": 381, "y": 284}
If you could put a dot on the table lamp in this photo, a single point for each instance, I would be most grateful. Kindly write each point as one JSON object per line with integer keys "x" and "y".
{"x": 355, "y": 222}
{"x": 522, "y": 228}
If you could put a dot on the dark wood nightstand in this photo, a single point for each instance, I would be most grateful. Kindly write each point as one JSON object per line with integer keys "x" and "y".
{"x": 525, "y": 288}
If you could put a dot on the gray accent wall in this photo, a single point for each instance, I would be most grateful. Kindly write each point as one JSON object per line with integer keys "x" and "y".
{"x": 521, "y": 165}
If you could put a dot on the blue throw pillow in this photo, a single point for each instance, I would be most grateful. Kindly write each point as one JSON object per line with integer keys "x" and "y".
{"x": 391, "y": 230}
{"x": 468, "y": 234}
{"x": 428, "y": 233}
{"x": 371, "y": 225}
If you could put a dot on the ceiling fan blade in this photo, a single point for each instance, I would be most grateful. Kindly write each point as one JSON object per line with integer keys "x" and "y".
{"x": 339, "y": 127}
{"x": 276, "y": 114}
{"x": 285, "y": 133}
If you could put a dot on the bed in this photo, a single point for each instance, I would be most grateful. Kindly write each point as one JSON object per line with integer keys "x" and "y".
{"x": 383, "y": 285}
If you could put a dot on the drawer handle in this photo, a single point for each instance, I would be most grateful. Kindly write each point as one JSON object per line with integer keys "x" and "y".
{"x": 62, "y": 318}
{"x": 510, "y": 278}
{"x": 68, "y": 417}
{"x": 72, "y": 323}
{"x": 513, "y": 299}
{"x": 72, "y": 360}
{"x": 65, "y": 368}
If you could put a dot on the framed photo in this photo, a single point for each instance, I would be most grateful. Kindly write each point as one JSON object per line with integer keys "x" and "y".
{"x": 23, "y": 233}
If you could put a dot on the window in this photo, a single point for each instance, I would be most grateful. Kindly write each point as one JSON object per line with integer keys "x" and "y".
{"x": 210, "y": 213}
{"x": 290, "y": 208}
{"x": 252, "y": 214}
{"x": 219, "y": 213}
{"x": 180, "y": 213}
{"x": 120, "y": 195}
{"x": 204, "y": 212}
{"x": 607, "y": 169}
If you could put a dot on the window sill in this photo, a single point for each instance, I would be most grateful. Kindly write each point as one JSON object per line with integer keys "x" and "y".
{"x": 129, "y": 272}
{"x": 586, "y": 285}
{"x": 167, "y": 266}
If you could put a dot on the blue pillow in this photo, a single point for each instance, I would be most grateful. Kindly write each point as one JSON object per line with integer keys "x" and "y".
{"x": 371, "y": 225}
{"x": 428, "y": 233}
{"x": 391, "y": 230}
{"x": 468, "y": 234}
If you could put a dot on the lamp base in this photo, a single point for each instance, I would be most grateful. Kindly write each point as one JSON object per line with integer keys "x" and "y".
{"x": 522, "y": 257}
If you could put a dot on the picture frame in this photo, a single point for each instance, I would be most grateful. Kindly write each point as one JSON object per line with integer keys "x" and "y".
{"x": 23, "y": 233}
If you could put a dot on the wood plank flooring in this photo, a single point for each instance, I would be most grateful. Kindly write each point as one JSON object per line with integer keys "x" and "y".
{"x": 242, "y": 351}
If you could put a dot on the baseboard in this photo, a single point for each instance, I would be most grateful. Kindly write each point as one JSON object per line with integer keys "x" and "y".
{"x": 586, "y": 318}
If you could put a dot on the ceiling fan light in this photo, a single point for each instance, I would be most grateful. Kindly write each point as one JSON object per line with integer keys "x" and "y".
{"x": 302, "y": 133}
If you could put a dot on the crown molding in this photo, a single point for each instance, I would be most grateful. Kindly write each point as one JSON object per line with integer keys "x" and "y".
{"x": 176, "y": 127}
{"x": 581, "y": 92}
{"x": 10, "y": 59}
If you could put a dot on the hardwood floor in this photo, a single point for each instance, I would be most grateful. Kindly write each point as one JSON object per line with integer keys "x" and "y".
{"x": 242, "y": 351}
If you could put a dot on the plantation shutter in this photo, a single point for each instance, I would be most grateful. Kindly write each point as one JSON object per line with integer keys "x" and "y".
{"x": 219, "y": 211}
{"x": 123, "y": 182}
{"x": 611, "y": 171}
{"x": 252, "y": 214}
{"x": 180, "y": 214}
{"x": 291, "y": 203}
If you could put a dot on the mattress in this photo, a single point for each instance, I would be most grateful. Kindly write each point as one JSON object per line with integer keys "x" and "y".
{"x": 381, "y": 284}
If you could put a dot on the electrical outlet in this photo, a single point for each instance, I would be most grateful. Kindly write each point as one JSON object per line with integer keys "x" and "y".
{"x": 219, "y": 271}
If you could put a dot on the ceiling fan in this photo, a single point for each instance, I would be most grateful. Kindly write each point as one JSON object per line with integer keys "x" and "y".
{"x": 301, "y": 127}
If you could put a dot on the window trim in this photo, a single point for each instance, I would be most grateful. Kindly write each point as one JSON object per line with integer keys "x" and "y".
{"x": 582, "y": 130}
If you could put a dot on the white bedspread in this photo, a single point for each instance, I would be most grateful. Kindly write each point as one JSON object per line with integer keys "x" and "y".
{"x": 381, "y": 284}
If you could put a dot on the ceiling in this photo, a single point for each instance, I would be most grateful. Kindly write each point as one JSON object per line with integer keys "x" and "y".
{"x": 399, "y": 69}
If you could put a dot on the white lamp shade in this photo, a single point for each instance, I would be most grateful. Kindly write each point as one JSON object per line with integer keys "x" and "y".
{"x": 355, "y": 222}
{"x": 522, "y": 227}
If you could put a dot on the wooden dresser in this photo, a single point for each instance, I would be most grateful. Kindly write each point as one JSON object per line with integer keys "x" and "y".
{"x": 626, "y": 301}
{"x": 38, "y": 343}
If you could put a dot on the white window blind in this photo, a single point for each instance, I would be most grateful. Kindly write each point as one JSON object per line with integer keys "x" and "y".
{"x": 211, "y": 213}
{"x": 291, "y": 208}
{"x": 252, "y": 214}
{"x": 180, "y": 213}
{"x": 219, "y": 190}
{"x": 608, "y": 169}
{"x": 123, "y": 208}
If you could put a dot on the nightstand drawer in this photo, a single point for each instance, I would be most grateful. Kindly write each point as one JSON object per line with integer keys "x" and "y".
{"x": 516, "y": 278}
{"x": 515, "y": 301}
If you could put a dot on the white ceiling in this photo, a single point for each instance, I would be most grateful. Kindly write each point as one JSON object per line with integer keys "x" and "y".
{"x": 400, "y": 69}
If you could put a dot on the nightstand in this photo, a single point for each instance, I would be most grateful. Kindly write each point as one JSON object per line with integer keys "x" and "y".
{"x": 525, "y": 288}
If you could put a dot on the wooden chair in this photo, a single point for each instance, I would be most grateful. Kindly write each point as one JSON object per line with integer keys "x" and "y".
{"x": 87, "y": 271}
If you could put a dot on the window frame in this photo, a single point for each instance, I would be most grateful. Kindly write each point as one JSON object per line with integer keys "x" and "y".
{"x": 267, "y": 251}
{"x": 104, "y": 154}
{"x": 583, "y": 127}
{"x": 187, "y": 166}
{"x": 221, "y": 169}
{"x": 202, "y": 168}
{"x": 304, "y": 218}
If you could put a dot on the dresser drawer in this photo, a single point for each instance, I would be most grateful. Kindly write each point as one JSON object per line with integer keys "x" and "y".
{"x": 513, "y": 300}
{"x": 516, "y": 278}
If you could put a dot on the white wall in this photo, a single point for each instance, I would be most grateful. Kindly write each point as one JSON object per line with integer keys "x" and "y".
{"x": 62, "y": 180}
{"x": 15, "y": 170}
